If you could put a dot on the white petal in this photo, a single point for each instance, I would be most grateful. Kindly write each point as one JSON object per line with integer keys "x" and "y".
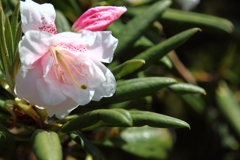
{"x": 33, "y": 46}
{"x": 103, "y": 46}
{"x": 81, "y": 96}
{"x": 107, "y": 88}
{"x": 93, "y": 74}
{"x": 62, "y": 110}
{"x": 37, "y": 17}
{"x": 49, "y": 89}
{"x": 26, "y": 84}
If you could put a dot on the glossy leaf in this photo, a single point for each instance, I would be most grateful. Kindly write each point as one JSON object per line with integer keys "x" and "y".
{"x": 127, "y": 67}
{"x": 98, "y": 118}
{"x": 153, "y": 54}
{"x": 185, "y": 88}
{"x": 85, "y": 144}
{"x": 141, "y": 118}
{"x": 135, "y": 88}
{"x": 228, "y": 106}
{"x": 122, "y": 118}
{"x": 46, "y": 145}
{"x": 133, "y": 30}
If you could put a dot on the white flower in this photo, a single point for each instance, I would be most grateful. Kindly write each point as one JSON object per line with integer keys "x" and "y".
{"x": 62, "y": 70}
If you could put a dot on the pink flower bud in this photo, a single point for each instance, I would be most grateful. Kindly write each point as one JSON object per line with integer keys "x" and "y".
{"x": 98, "y": 18}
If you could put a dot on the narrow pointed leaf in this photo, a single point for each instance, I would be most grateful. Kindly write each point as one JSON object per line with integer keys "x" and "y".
{"x": 184, "y": 20}
{"x": 82, "y": 121}
{"x": 153, "y": 54}
{"x": 127, "y": 67}
{"x": 85, "y": 144}
{"x": 115, "y": 117}
{"x": 228, "y": 106}
{"x": 135, "y": 88}
{"x": 14, "y": 20}
{"x": 141, "y": 118}
{"x": 134, "y": 29}
{"x": 98, "y": 118}
{"x": 9, "y": 39}
{"x": 185, "y": 88}
{"x": 166, "y": 61}
{"x": 46, "y": 145}
{"x": 3, "y": 46}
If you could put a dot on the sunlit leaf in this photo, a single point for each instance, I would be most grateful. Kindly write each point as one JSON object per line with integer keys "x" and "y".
{"x": 135, "y": 88}
{"x": 141, "y": 118}
{"x": 185, "y": 88}
{"x": 127, "y": 67}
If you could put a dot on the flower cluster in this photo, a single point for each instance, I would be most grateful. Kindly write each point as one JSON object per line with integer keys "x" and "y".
{"x": 63, "y": 70}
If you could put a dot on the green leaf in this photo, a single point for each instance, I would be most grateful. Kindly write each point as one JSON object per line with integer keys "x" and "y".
{"x": 46, "y": 145}
{"x": 183, "y": 20}
{"x": 9, "y": 40}
{"x": 229, "y": 106}
{"x": 127, "y": 67}
{"x": 145, "y": 142}
{"x": 14, "y": 19}
{"x": 185, "y": 88}
{"x": 61, "y": 22}
{"x": 121, "y": 118}
{"x": 135, "y": 88}
{"x": 133, "y": 30}
{"x": 98, "y": 118}
{"x": 3, "y": 45}
{"x": 85, "y": 144}
{"x": 166, "y": 61}
{"x": 153, "y": 54}
{"x": 141, "y": 118}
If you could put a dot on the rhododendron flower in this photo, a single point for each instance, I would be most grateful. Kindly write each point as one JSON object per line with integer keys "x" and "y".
{"x": 61, "y": 70}
{"x": 98, "y": 18}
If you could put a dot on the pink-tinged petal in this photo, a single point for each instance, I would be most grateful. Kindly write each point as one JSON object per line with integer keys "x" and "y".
{"x": 49, "y": 89}
{"x": 26, "y": 84}
{"x": 62, "y": 110}
{"x": 97, "y": 45}
{"x": 98, "y": 18}
{"x": 73, "y": 41}
{"x": 33, "y": 46}
{"x": 37, "y": 17}
{"x": 107, "y": 88}
{"x": 103, "y": 47}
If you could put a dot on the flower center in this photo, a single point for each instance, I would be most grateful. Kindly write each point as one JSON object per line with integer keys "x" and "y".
{"x": 65, "y": 63}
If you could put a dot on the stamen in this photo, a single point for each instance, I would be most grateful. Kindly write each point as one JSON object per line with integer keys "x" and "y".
{"x": 65, "y": 66}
